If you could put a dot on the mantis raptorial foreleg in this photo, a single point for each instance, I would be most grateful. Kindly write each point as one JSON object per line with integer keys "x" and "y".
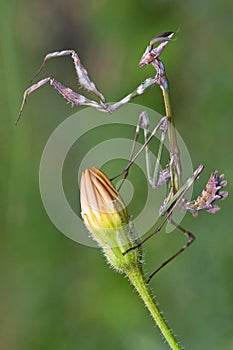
{"x": 83, "y": 77}
{"x": 71, "y": 96}
{"x": 87, "y": 84}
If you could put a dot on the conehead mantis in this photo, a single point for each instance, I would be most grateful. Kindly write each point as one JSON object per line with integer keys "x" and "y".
{"x": 172, "y": 174}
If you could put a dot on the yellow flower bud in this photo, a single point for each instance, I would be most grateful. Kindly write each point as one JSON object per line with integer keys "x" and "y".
{"x": 101, "y": 204}
{"x": 107, "y": 219}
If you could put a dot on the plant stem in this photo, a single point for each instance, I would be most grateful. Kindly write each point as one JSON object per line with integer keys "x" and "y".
{"x": 137, "y": 278}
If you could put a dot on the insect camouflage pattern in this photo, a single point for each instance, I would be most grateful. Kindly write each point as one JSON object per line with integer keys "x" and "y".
{"x": 172, "y": 174}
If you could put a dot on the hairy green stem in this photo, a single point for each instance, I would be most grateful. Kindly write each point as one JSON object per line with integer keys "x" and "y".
{"x": 137, "y": 279}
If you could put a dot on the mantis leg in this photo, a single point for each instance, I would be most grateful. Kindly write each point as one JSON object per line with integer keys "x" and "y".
{"x": 83, "y": 77}
{"x": 71, "y": 96}
{"x": 160, "y": 177}
{"x": 167, "y": 213}
{"x": 190, "y": 236}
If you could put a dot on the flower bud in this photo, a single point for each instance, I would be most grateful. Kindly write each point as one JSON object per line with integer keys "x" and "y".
{"x": 106, "y": 217}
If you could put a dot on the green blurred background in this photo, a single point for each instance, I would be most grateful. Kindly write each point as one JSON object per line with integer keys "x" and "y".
{"x": 55, "y": 293}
